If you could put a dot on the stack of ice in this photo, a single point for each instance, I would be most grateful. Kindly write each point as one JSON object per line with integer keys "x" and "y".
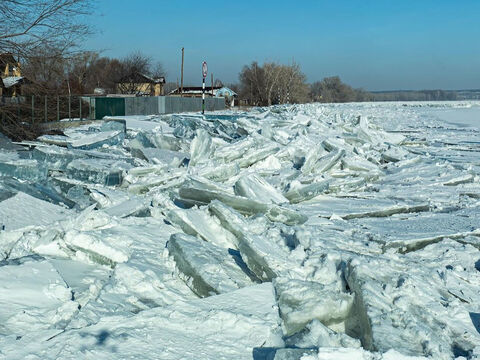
{"x": 312, "y": 231}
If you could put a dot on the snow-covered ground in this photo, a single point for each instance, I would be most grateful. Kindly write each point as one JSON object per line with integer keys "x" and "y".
{"x": 315, "y": 231}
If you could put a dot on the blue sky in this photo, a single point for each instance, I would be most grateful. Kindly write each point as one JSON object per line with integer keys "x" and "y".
{"x": 377, "y": 45}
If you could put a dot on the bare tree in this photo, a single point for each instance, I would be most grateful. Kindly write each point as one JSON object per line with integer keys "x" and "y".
{"x": 82, "y": 72}
{"x": 27, "y": 25}
{"x": 158, "y": 70}
{"x": 252, "y": 84}
{"x": 39, "y": 33}
{"x": 169, "y": 87}
{"x": 292, "y": 87}
{"x": 273, "y": 84}
{"x": 332, "y": 89}
{"x": 105, "y": 73}
{"x": 135, "y": 68}
{"x": 79, "y": 72}
{"x": 46, "y": 70}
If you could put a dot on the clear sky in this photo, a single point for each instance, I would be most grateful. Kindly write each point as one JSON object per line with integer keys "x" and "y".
{"x": 374, "y": 44}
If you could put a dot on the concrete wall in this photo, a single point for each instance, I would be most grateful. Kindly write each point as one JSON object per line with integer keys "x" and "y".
{"x": 151, "y": 105}
{"x": 142, "y": 105}
{"x": 176, "y": 104}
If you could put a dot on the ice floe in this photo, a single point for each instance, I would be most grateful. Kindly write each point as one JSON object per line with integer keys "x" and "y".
{"x": 318, "y": 231}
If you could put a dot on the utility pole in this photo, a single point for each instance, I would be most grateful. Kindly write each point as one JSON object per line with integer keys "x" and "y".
{"x": 181, "y": 84}
{"x": 204, "y": 75}
{"x": 212, "y": 83}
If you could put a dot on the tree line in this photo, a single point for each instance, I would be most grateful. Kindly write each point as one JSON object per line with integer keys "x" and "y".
{"x": 415, "y": 95}
{"x": 85, "y": 72}
{"x": 273, "y": 83}
{"x": 259, "y": 85}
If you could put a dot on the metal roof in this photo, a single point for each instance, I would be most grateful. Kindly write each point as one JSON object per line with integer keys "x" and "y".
{"x": 218, "y": 91}
{"x": 138, "y": 77}
{"x": 225, "y": 91}
{"x": 10, "y": 81}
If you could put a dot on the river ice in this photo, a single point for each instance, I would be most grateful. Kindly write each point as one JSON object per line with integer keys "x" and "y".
{"x": 319, "y": 231}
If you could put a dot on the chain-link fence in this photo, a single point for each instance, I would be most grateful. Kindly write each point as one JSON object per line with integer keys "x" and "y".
{"x": 21, "y": 117}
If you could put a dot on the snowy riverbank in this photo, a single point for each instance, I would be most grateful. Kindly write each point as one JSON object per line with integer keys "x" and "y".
{"x": 346, "y": 231}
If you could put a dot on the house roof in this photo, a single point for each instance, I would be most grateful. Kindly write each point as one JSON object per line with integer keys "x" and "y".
{"x": 192, "y": 90}
{"x": 225, "y": 91}
{"x": 10, "y": 81}
{"x": 142, "y": 78}
{"x": 159, "y": 80}
{"x": 218, "y": 91}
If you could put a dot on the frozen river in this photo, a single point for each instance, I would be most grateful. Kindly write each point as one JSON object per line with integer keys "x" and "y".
{"x": 465, "y": 117}
{"x": 337, "y": 231}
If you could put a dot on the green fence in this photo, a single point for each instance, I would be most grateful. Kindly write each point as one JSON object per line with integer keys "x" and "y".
{"x": 109, "y": 106}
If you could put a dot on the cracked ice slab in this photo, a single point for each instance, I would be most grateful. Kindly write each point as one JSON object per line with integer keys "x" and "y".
{"x": 408, "y": 229}
{"x": 406, "y": 302}
{"x": 99, "y": 171}
{"x": 199, "y": 222}
{"x": 96, "y": 140}
{"x": 166, "y": 157}
{"x": 91, "y": 236}
{"x": 352, "y": 203}
{"x": 202, "y": 191}
{"x": 33, "y": 296}
{"x": 227, "y": 325}
{"x": 263, "y": 257}
{"x": 11, "y": 164}
{"x": 147, "y": 280}
{"x": 254, "y": 187}
{"x": 131, "y": 207}
{"x": 303, "y": 301}
{"x": 298, "y": 192}
{"x": 22, "y": 210}
{"x": 208, "y": 269}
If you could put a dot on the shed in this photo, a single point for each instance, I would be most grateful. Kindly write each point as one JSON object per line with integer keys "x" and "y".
{"x": 228, "y": 94}
{"x": 12, "y": 85}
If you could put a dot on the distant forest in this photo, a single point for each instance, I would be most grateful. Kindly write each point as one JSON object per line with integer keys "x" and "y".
{"x": 273, "y": 83}
{"x": 425, "y": 95}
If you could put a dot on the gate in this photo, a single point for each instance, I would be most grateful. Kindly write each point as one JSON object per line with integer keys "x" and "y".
{"x": 109, "y": 106}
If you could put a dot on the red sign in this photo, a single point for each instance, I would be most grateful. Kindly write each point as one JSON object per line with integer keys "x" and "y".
{"x": 204, "y": 69}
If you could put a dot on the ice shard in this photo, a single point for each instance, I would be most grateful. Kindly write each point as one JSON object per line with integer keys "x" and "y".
{"x": 298, "y": 192}
{"x": 33, "y": 296}
{"x": 263, "y": 257}
{"x": 209, "y": 269}
{"x": 22, "y": 210}
{"x": 300, "y": 302}
{"x": 198, "y": 222}
{"x": 201, "y": 147}
{"x": 254, "y": 187}
{"x": 406, "y": 303}
{"x": 99, "y": 171}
